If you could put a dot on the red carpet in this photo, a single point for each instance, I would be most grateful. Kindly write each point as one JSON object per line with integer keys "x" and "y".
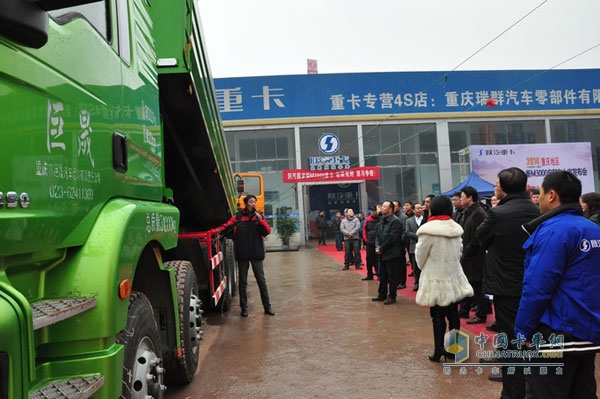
{"x": 408, "y": 293}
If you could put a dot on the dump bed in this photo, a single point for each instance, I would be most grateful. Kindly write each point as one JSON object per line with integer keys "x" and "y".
{"x": 197, "y": 165}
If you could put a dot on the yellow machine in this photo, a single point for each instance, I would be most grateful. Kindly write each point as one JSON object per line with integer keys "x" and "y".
{"x": 250, "y": 183}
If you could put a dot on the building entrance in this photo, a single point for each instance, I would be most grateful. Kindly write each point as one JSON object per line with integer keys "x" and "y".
{"x": 331, "y": 198}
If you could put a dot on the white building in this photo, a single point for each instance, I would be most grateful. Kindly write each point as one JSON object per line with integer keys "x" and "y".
{"x": 351, "y": 140}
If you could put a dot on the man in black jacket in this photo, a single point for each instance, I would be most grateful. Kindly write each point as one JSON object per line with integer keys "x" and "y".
{"x": 321, "y": 224}
{"x": 473, "y": 256}
{"x": 501, "y": 234}
{"x": 390, "y": 254}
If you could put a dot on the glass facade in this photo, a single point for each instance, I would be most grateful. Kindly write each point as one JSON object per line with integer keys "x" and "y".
{"x": 267, "y": 152}
{"x": 407, "y": 153}
{"x": 407, "y": 157}
{"x": 579, "y": 130}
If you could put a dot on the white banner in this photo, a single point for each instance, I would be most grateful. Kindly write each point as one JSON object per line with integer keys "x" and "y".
{"x": 537, "y": 160}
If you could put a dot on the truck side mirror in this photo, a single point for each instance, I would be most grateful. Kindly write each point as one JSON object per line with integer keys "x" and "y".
{"x": 23, "y": 22}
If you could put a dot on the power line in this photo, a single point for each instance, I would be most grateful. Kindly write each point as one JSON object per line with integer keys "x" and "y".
{"x": 288, "y": 191}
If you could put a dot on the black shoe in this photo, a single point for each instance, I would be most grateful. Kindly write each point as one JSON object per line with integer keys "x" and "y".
{"x": 367, "y": 278}
{"x": 411, "y": 274}
{"x": 493, "y": 327}
{"x": 346, "y": 268}
{"x": 495, "y": 377}
{"x": 244, "y": 313}
{"x": 401, "y": 286}
{"x": 416, "y": 287}
{"x": 378, "y": 299}
{"x": 269, "y": 311}
{"x": 475, "y": 320}
{"x": 389, "y": 301}
{"x": 437, "y": 356}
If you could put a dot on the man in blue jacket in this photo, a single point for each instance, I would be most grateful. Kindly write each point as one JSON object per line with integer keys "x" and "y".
{"x": 560, "y": 304}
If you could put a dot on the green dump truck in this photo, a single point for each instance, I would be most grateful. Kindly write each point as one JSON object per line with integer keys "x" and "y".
{"x": 114, "y": 177}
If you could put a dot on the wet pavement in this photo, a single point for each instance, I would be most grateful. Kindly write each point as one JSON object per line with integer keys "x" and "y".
{"x": 328, "y": 340}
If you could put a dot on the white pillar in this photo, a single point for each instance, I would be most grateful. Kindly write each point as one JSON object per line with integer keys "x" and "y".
{"x": 444, "y": 160}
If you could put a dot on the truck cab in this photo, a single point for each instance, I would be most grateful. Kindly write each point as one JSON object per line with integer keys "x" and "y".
{"x": 116, "y": 177}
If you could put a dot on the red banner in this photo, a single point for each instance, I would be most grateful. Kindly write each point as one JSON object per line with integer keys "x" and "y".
{"x": 318, "y": 176}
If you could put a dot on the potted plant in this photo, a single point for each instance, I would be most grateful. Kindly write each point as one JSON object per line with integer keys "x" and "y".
{"x": 286, "y": 227}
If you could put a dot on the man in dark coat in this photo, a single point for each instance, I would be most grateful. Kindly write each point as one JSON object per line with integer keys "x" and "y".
{"x": 336, "y": 222}
{"x": 473, "y": 256}
{"x": 399, "y": 213}
{"x": 501, "y": 234}
{"x": 250, "y": 228}
{"x": 321, "y": 224}
{"x": 390, "y": 254}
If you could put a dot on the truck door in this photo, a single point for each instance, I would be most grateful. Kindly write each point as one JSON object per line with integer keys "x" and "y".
{"x": 60, "y": 105}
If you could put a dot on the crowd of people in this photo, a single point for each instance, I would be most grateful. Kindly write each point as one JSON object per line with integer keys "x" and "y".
{"x": 533, "y": 255}
{"x": 529, "y": 256}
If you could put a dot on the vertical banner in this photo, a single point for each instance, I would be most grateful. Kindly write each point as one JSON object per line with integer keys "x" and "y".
{"x": 312, "y": 67}
{"x": 537, "y": 160}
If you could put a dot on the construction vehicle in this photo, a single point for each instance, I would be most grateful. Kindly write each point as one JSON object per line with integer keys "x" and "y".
{"x": 115, "y": 177}
{"x": 250, "y": 183}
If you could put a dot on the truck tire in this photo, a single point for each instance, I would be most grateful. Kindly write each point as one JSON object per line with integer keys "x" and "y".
{"x": 142, "y": 370}
{"x": 181, "y": 369}
{"x": 230, "y": 269}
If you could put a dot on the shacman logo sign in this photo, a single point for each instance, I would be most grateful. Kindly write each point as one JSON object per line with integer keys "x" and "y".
{"x": 329, "y": 143}
{"x": 457, "y": 342}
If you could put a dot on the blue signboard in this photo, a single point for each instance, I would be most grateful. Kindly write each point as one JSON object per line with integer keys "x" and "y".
{"x": 404, "y": 93}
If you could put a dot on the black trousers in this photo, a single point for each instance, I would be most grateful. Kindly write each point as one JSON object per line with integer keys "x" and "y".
{"x": 415, "y": 268}
{"x": 259, "y": 274}
{"x": 371, "y": 260}
{"x": 402, "y": 269}
{"x": 478, "y": 299}
{"x": 576, "y": 378}
{"x": 513, "y": 385}
{"x": 352, "y": 255}
{"x": 322, "y": 234}
{"x": 389, "y": 275}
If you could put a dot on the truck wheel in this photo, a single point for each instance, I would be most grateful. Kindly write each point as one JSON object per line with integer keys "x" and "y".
{"x": 142, "y": 370}
{"x": 181, "y": 369}
{"x": 230, "y": 262}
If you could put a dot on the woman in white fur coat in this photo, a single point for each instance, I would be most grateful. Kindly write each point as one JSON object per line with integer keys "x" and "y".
{"x": 442, "y": 283}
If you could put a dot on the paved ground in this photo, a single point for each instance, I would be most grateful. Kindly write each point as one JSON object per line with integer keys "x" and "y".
{"x": 328, "y": 340}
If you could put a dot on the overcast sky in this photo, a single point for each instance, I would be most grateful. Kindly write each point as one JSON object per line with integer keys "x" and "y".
{"x": 275, "y": 37}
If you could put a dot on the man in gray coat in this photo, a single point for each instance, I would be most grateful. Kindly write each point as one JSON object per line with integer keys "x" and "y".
{"x": 350, "y": 228}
